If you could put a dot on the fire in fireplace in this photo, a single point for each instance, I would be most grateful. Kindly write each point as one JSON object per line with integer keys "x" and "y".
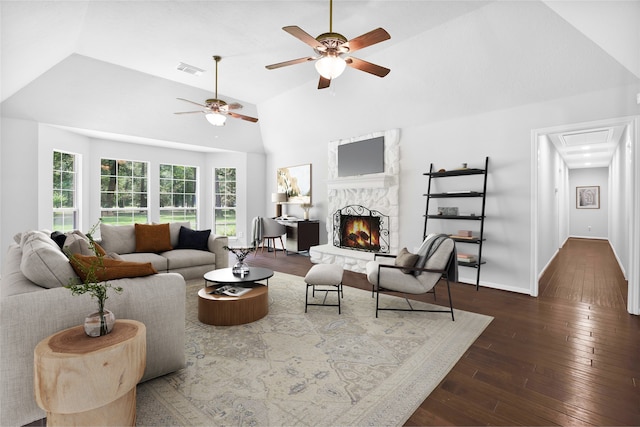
{"x": 356, "y": 227}
{"x": 360, "y": 232}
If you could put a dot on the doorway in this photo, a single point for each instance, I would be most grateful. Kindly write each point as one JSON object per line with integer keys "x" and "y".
{"x": 623, "y": 222}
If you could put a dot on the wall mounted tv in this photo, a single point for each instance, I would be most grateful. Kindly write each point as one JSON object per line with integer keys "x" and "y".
{"x": 361, "y": 157}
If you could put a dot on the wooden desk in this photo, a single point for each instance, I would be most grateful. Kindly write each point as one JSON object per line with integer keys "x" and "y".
{"x": 81, "y": 380}
{"x": 301, "y": 234}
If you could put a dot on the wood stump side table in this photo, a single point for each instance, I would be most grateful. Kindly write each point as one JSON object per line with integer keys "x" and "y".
{"x": 81, "y": 380}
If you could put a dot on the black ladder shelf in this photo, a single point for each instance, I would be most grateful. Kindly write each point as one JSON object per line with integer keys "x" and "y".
{"x": 476, "y": 239}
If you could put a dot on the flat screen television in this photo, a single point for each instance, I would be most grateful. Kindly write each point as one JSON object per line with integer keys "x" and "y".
{"x": 361, "y": 157}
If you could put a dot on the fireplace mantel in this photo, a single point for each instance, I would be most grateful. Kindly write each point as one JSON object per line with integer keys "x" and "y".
{"x": 365, "y": 181}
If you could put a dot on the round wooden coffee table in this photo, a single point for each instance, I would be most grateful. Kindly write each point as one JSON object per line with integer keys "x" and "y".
{"x": 225, "y": 310}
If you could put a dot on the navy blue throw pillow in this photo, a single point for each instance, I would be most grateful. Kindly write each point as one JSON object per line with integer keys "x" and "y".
{"x": 193, "y": 239}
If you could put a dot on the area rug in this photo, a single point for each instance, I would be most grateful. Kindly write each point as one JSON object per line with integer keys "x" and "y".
{"x": 317, "y": 368}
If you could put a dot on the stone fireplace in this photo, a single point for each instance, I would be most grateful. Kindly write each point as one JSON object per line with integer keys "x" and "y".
{"x": 376, "y": 193}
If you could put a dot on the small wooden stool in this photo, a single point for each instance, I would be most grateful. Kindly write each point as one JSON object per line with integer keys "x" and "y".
{"x": 81, "y": 380}
{"x": 325, "y": 275}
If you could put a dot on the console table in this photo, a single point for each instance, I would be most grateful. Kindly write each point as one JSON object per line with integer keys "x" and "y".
{"x": 301, "y": 234}
{"x": 81, "y": 380}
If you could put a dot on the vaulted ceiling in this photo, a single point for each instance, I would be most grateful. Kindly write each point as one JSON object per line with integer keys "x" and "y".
{"x": 505, "y": 54}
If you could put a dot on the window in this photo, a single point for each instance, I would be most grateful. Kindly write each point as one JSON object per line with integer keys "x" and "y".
{"x": 225, "y": 205}
{"x": 123, "y": 191}
{"x": 65, "y": 211}
{"x": 178, "y": 186}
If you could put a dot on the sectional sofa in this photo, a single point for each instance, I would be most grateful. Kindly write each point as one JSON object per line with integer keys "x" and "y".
{"x": 34, "y": 304}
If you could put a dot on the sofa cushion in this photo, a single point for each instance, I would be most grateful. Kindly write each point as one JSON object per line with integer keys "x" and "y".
{"x": 153, "y": 238}
{"x": 158, "y": 261}
{"x": 181, "y": 258}
{"x": 120, "y": 239}
{"x": 43, "y": 262}
{"x": 77, "y": 243}
{"x": 406, "y": 259}
{"x": 193, "y": 239}
{"x": 109, "y": 269}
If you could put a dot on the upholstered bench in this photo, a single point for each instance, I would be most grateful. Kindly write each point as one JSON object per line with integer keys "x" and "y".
{"x": 327, "y": 276}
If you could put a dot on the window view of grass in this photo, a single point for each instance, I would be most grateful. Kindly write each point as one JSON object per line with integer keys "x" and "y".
{"x": 225, "y": 201}
{"x": 65, "y": 213}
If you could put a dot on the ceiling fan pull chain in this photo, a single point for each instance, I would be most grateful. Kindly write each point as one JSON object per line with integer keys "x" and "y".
{"x": 331, "y": 16}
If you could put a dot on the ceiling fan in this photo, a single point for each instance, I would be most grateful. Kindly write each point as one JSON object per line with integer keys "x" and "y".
{"x": 330, "y": 48}
{"x": 216, "y": 110}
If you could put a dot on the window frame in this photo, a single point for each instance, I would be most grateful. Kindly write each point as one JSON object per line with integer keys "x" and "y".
{"x": 74, "y": 211}
{"x": 175, "y": 195}
{"x": 132, "y": 212}
{"x": 225, "y": 201}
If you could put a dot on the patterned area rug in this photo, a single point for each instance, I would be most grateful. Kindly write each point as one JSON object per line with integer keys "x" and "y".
{"x": 315, "y": 368}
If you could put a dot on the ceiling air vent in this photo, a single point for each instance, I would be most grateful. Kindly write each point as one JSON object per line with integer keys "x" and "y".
{"x": 190, "y": 69}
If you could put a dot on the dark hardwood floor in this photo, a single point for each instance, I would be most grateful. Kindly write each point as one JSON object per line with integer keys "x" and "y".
{"x": 569, "y": 357}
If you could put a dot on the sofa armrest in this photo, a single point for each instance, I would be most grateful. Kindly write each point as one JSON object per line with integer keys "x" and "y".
{"x": 216, "y": 245}
{"x": 158, "y": 301}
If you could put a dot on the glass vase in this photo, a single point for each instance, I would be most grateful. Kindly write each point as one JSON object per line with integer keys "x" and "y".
{"x": 96, "y": 325}
{"x": 240, "y": 268}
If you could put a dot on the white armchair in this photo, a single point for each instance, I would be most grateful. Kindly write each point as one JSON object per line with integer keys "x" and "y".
{"x": 415, "y": 273}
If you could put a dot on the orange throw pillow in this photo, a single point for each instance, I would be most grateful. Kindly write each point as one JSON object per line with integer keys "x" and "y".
{"x": 153, "y": 238}
{"x": 109, "y": 269}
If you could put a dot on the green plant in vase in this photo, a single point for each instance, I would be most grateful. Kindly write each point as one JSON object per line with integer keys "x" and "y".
{"x": 90, "y": 269}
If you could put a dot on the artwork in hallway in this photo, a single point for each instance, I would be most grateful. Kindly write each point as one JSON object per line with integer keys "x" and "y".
{"x": 588, "y": 197}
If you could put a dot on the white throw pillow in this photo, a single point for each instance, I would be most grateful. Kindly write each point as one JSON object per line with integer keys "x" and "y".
{"x": 43, "y": 262}
{"x": 120, "y": 239}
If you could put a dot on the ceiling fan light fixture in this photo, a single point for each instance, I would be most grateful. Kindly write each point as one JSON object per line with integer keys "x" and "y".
{"x": 330, "y": 66}
{"x": 216, "y": 119}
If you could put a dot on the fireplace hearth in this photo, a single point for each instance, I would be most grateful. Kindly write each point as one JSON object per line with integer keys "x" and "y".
{"x": 359, "y": 228}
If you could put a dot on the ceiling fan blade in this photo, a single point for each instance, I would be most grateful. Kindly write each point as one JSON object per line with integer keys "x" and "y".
{"x": 367, "y": 67}
{"x": 324, "y": 83}
{"x": 372, "y": 37}
{"x": 305, "y": 37}
{"x": 234, "y": 106}
{"x": 191, "y": 102}
{"x": 243, "y": 117}
{"x": 292, "y": 62}
{"x": 190, "y": 112}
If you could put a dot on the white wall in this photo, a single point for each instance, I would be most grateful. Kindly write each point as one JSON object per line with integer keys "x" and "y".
{"x": 620, "y": 175}
{"x": 589, "y": 223}
{"x": 18, "y": 178}
{"x": 552, "y": 214}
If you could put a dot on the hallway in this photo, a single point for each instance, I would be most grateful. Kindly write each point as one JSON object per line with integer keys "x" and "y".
{"x": 585, "y": 270}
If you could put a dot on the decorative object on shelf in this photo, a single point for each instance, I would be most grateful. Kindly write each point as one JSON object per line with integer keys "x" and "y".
{"x": 305, "y": 207}
{"x": 240, "y": 268}
{"x": 101, "y": 322}
{"x": 278, "y": 199}
{"x": 448, "y": 211}
{"x": 295, "y": 181}
{"x": 588, "y": 197}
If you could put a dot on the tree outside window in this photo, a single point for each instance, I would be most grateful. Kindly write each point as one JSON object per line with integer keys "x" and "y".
{"x": 178, "y": 190}
{"x": 123, "y": 191}
{"x": 225, "y": 201}
{"x": 65, "y": 211}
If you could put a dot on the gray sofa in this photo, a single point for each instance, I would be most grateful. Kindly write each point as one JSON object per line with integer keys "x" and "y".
{"x": 190, "y": 263}
{"x": 34, "y": 305}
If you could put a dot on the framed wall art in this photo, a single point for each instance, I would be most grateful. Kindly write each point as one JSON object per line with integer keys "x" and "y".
{"x": 296, "y": 182}
{"x": 588, "y": 197}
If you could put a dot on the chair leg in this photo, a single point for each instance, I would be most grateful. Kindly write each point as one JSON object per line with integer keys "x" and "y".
{"x": 450, "y": 302}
